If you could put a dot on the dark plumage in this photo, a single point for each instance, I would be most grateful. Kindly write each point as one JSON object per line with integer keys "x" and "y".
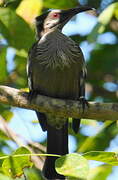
{"x": 56, "y": 68}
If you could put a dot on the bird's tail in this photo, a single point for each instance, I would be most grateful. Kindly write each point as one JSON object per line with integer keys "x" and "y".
{"x": 57, "y": 143}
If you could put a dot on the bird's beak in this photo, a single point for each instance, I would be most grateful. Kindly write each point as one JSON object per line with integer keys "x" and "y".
{"x": 66, "y": 15}
{"x": 78, "y": 9}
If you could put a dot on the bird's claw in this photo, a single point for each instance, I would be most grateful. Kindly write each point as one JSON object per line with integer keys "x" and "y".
{"x": 32, "y": 94}
{"x": 84, "y": 103}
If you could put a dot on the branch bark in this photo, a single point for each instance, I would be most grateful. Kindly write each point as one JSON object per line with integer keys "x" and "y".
{"x": 62, "y": 108}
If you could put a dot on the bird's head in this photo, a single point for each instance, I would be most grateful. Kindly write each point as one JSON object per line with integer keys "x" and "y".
{"x": 56, "y": 19}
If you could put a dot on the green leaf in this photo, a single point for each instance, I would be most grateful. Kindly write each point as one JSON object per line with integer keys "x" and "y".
{"x": 3, "y": 177}
{"x": 3, "y": 64}
{"x": 94, "y": 33}
{"x": 100, "y": 173}
{"x": 107, "y": 14}
{"x": 12, "y": 3}
{"x": 34, "y": 8}
{"x": 89, "y": 122}
{"x": 15, "y": 29}
{"x": 72, "y": 165}
{"x": 60, "y": 4}
{"x": 13, "y": 166}
{"x": 103, "y": 20}
{"x": 3, "y": 136}
{"x": 20, "y": 68}
{"x": 93, "y": 3}
{"x": 106, "y": 157}
{"x": 93, "y": 143}
{"x": 33, "y": 174}
{"x": 7, "y": 115}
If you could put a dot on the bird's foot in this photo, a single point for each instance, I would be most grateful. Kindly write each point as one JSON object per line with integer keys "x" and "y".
{"x": 84, "y": 103}
{"x": 32, "y": 94}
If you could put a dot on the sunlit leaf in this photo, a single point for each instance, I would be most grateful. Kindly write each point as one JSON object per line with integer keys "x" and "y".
{"x": 106, "y": 157}
{"x": 116, "y": 11}
{"x": 72, "y": 165}
{"x": 89, "y": 122}
{"x": 3, "y": 177}
{"x": 13, "y": 166}
{"x": 29, "y": 9}
{"x": 106, "y": 16}
{"x": 1, "y": 2}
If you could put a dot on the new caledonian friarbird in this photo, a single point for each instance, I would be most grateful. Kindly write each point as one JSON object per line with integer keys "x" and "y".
{"x": 56, "y": 68}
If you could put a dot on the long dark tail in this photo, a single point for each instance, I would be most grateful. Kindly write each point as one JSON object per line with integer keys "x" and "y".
{"x": 57, "y": 143}
{"x": 76, "y": 125}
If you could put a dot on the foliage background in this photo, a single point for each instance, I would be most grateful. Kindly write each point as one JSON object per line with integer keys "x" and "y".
{"x": 100, "y": 47}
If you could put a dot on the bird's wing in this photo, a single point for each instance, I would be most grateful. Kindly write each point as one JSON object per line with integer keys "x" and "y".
{"x": 82, "y": 77}
{"x": 29, "y": 65}
{"x": 41, "y": 116}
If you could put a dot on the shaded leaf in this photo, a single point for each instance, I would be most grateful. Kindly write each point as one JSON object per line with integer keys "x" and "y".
{"x": 72, "y": 165}
{"x": 13, "y": 166}
{"x": 15, "y": 29}
{"x": 92, "y": 37}
{"x": 5, "y": 3}
{"x": 13, "y": 4}
{"x": 60, "y": 4}
{"x": 105, "y": 134}
{"x": 106, "y": 157}
{"x": 20, "y": 69}
{"x": 7, "y": 115}
{"x": 33, "y": 174}
{"x": 3, "y": 136}
{"x": 93, "y": 3}
{"x": 103, "y": 62}
{"x": 3, "y": 64}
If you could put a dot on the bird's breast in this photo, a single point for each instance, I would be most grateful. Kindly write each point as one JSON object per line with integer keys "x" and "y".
{"x": 57, "y": 51}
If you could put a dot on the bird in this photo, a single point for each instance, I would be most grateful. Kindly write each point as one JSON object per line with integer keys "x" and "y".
{"x": 56, "y": 68}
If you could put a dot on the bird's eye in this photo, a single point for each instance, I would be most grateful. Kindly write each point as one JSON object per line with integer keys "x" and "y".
{"x": 56, "y": 15}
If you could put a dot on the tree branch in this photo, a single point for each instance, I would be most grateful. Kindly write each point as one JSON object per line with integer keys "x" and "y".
{"x": 62, "y": 108}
